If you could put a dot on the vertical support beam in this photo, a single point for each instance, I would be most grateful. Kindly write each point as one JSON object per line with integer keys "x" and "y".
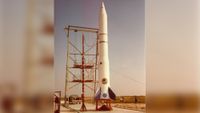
{"x": 83, "y": 107}
{"x": 67, "y": 65}
{"x": 96, "y": 64}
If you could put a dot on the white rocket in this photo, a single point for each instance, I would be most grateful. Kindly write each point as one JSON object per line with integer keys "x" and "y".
{"x": 104, "y": 91}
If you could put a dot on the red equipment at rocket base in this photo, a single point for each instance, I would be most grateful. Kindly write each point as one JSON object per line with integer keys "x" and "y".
{"x": 104, "y": 91}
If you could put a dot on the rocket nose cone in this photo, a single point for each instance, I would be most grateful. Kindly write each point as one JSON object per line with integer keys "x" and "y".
{"x": 103, "y": 9}
{"x": 102, "y": 5}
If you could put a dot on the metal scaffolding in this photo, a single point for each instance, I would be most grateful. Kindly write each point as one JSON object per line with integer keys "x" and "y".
{"x": 83, "y": 66}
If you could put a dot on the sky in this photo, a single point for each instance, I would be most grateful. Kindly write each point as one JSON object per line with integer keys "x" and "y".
{"x": 125, "y": 36}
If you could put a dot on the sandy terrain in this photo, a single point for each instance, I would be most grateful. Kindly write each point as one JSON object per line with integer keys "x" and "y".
{"x": 130, "y": 106}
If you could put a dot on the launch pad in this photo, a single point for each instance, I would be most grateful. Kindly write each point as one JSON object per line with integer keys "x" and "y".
{"x": 105, "y": 104}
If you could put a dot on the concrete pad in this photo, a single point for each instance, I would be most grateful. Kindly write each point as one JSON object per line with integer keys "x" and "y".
{"x": 91, "y": 109}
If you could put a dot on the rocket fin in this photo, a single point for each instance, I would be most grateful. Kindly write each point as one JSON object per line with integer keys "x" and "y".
{"x": 98, "y": 94}
{"x": 111, "y": 93}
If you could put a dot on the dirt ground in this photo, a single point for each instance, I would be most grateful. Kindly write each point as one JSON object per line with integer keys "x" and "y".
{"x": 131, "y": 106}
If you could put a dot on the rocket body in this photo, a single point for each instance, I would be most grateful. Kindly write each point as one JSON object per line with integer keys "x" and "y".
{"x": 104, "y": 91}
